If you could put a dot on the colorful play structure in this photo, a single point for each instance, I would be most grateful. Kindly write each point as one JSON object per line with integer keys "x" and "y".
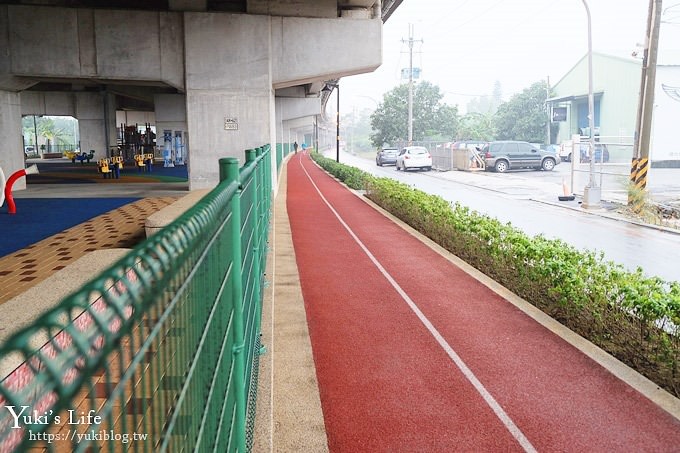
{"x": 133, "y": 141}
{"x": 6, "y": 186}
{"x": 110, "y": 167}
{"x": 81, "y": 156}
{"x": 144, "y": 162}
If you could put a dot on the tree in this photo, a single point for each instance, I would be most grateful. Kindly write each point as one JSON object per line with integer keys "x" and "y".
{"x": 487, "y": 104}
{"x": 355, "y": 129}
{"x": 524, "y": 116}
{"x": 476, "y": 126}
{"x": 431, "y": 117}
{"x": 54, "y": 129}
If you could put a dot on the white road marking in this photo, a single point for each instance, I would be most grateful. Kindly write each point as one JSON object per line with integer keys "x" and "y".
{"x": 488, "y": 398}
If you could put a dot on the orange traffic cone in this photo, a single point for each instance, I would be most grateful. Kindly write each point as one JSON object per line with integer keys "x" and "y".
{"x": 567, "y": 196}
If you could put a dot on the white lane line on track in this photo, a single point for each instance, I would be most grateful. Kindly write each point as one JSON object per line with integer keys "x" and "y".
{"x": 469, "y": 375}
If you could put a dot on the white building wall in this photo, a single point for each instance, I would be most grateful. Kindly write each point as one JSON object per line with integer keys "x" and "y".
{"x": 665, "y": 144}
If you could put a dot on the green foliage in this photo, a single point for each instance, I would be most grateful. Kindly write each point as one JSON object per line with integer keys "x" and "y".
{"x": 431, "y": 117}
{"x": 476, "y": 126}
{"x": 486, "y": 105}
{"x": 524, "y": 116}
{"x": 351, "y": 176}
{"x": 631, "y": 316}
{"x": 56, "y": 129}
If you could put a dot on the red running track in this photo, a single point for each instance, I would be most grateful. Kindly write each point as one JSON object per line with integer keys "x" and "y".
{"x": 462, "y": 369}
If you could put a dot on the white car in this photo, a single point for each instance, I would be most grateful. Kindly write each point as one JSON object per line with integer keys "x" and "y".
{"x": 414, "y": 157}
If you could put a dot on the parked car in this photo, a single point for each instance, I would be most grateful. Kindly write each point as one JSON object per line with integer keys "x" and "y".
{"x": 414, "y": 157}
{"x": 386, "y": 156}
{"x": 501, "y": 156}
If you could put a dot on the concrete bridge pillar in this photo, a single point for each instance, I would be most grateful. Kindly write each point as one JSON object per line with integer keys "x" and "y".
{"x": 92, "y": 121}
{"x": 10, "y": 131}
{"x": 229, "y": 94}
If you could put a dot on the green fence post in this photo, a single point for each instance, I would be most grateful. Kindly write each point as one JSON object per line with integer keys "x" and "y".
{"x": 268, "y": 175}
{"x": 279, "y": 156}
{"x": 229, "y": 171}
{"x": 257, "y": 246}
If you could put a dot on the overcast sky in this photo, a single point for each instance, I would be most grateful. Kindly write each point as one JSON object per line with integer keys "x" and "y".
{"x": 469, "y": 44}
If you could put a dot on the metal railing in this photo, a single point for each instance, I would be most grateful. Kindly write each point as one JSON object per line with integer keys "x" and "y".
{"x": 160, "y": 351}
{"x": 282, "y": 150}
{"x": 612, "y": 161}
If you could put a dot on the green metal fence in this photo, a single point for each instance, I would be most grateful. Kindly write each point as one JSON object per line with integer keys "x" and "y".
{"x": 282, "y": 150}
{"x": 160, "y": 351}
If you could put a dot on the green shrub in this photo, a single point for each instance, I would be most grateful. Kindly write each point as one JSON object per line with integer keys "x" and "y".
{"x": 351, "y": 176}
{"x": 633, "y": 317}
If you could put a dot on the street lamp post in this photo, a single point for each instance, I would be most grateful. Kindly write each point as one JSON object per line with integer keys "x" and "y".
{"x": 316, "y": 133}
{"x": 591, "y": 193}
{"x": 337, "y": 124}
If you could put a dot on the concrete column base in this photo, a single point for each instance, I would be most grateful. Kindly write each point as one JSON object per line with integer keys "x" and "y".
{"x": 592, "y": 197}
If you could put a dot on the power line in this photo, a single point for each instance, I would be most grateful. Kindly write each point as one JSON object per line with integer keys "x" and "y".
{"x": 450, "y": 13}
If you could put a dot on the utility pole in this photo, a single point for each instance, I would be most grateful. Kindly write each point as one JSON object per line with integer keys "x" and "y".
{"x": 547, "y": 106}
{"x": 640, "y": 162}
{"x": 591, "y": 193}
{"x": 410, "y": 82}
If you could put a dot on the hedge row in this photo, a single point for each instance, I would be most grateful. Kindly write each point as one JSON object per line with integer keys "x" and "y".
{"x": 631, "y": 316}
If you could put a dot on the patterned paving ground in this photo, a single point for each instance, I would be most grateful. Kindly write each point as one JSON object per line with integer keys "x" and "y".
{"x": 123, "y": 227}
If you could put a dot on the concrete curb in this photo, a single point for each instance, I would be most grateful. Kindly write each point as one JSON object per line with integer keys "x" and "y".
{"x": 160, "y": 219}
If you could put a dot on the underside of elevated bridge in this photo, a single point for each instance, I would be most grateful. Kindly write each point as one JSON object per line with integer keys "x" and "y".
{"x": 226, "y": 75}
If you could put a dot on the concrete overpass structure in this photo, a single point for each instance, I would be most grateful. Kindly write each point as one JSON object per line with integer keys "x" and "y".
{"x": 228, "y": 74}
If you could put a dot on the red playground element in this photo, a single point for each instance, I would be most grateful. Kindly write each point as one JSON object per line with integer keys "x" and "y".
{"x": 11, "y": 206}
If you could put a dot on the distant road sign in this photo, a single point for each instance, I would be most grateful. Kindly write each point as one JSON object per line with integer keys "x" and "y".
{"x": 415, "y": 72}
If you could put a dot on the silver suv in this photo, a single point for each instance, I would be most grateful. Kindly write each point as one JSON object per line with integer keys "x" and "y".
{"x": 506, "y": 155}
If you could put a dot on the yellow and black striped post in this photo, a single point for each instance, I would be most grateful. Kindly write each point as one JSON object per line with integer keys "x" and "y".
{"x": 641, "y": 175}
{"x": 633, "y": 170}
{"x": 638, "y": 183}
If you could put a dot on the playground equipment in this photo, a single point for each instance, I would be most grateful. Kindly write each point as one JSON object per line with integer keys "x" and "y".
{"x": 144, "y": 162}
{"x": 167, "y": 148}
{"x": 179, "y": 148}
{"x": 110, "y": 167}
{"x": 104, "y": 167}
{"x": 7, "y": 186}
{"x": 131, "y": 141}
{"x": 117, "y": 165}
{"x": 83, "y": 157}
{"x": 174, "y": 150}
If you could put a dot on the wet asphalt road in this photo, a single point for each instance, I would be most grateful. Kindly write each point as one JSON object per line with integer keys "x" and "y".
{"x": 528, "y": 200}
